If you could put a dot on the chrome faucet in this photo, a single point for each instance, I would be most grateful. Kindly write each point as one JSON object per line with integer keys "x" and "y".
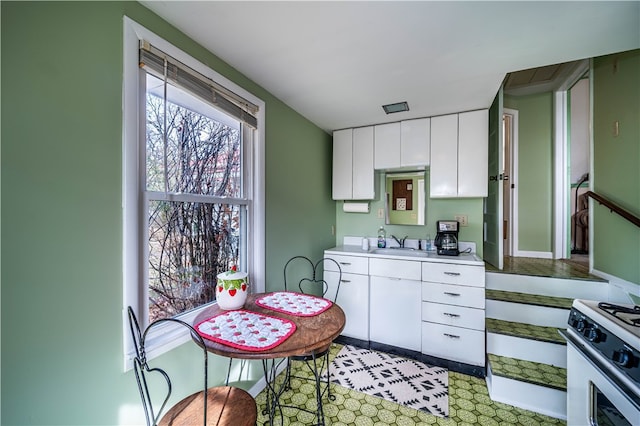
{"x": 400, "y": 242}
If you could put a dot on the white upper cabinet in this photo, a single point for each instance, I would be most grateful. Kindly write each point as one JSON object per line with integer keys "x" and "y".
{"x": 387, "y": 146}
{"x": 459, "y": 144}
{"x": 473, "y": 153}
{"x": 402, "y": 144}
{"x": 352, "y": 174}
{"x": 342, "y": 175}
{"x": 443, "y": 177}
{"x": 415, "y": 142}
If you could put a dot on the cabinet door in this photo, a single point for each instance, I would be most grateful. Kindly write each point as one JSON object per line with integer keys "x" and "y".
{"x": 395, "y": 312}
{"x": 387, "y": 146}
{"x": 342, "y": 181}
{"x": 473, "y": 155}
{"x": 353, "y": 298}
{"x": 415, "y": 142}
{"x": 443, "y": 181}
{"x": 363, "y": 180}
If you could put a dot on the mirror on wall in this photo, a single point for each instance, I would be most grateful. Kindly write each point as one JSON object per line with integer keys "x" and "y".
{"x": 405, "y": 198}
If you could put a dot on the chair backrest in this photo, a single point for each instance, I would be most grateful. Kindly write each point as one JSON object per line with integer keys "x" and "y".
{"x": 144, "y": 371}
{"x": 311, "y": 276}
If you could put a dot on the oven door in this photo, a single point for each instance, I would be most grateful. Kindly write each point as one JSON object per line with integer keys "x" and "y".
{"x": 596, "y": 396}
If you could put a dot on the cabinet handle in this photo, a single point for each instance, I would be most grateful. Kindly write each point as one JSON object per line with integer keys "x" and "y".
{"x": 452, "y": 336}
{"x": 451, "y": 315}
{"x": 345, "y": 281}
{"x": 452, "y": 274}
{"x": 452, "y": 294}
{"x": 345, "y": 263}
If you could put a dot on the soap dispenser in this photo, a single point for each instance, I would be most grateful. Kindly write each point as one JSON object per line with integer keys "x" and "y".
{"x": 382, "y": 237}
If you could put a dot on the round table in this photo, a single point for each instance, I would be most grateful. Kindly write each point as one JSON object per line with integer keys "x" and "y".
{"x": 313, "y": 335}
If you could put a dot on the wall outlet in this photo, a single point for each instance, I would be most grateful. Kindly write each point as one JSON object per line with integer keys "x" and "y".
{"x": 462, "y": 218}
{"x": 380, "y": 213}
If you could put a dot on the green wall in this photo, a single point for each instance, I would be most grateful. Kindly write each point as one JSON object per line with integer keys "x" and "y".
{"x": 616, "y": 171}
{"x": 61, "y": 175}
{"x": 535, "y": 170}
{"x": 367, "y": 224}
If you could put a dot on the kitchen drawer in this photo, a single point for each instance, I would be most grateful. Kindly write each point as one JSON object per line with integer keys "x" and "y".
{"x": 449, "y": 294}
{"x": 453, "y": 343}
{"x": 403, "y": 269}
{"x": 348, "y": 264}
{"x": 453, "y": 315}
{"x": 453, "y": 274}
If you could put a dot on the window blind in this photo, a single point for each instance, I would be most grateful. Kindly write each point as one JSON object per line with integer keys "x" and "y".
{"x": 154, "y": 60}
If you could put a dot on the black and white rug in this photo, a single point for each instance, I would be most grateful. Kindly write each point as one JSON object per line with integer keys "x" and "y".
{"x": 403, "y": 381}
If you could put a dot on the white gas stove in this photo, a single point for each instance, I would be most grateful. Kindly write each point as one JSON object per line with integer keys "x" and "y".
{"x": 603, "y": 364}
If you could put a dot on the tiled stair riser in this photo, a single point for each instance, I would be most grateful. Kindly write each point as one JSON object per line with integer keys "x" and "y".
{"x": 527, "y": 349}
{"x": 528, "y": 314}
{"x": 556, "y": 287}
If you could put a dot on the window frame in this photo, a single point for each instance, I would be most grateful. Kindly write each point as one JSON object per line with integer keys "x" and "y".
{"x": 134, "y": 259}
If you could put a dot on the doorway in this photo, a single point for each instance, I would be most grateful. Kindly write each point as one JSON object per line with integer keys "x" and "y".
{"x": 510, "y": 189}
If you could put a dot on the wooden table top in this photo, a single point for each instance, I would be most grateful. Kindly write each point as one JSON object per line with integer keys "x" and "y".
{"x": 313, "y": 333}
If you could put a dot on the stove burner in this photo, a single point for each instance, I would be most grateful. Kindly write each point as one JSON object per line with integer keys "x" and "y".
{"x": 614, "y": 310}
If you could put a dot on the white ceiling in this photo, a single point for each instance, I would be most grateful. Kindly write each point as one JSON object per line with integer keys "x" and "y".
{"x": 337, "y": 63}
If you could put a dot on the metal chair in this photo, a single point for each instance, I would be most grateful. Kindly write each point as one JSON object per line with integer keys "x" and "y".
{"x": 221, "y": 405}
{"x": 310, "y": 282}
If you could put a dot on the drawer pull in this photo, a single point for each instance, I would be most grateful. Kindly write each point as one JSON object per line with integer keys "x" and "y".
{"x": 448, "y": 293}
{"x": 451, "y": 336}
{"x": 451, "y": 315}
{"x": 345, "y": 263}
{"x": 345, "y": 281}
{"x": 452, "y": 274}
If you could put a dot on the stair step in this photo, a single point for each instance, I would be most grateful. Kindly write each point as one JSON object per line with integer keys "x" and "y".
{"x": 530, "y": 372}
{"x": 572, "y": 288}
{"x": 529, "y": 385}
{"x": 529, "y": 299}
{"x": 525, "y": 331}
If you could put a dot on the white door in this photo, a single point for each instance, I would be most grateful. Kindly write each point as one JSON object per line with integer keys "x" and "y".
{"x": 493, "y": 219}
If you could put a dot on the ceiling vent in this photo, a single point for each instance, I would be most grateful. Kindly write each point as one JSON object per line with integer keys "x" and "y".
{"x": 397, "y": 107}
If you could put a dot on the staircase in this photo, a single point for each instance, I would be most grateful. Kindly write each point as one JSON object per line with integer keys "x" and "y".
{"x": 526, "y": 356}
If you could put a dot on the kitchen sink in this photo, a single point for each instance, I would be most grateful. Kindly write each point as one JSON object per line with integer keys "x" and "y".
{"x": 401, "y": 251}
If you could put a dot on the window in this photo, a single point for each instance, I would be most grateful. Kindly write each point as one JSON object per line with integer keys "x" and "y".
{"x": 193, "y": 192}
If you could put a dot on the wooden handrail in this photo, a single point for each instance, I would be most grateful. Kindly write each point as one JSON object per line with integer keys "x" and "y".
{"x": 614, "y": 208}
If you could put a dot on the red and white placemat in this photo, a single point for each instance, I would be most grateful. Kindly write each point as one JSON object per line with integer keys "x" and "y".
{"x": 249, "y": 331}
{"x": 298, "y": 304}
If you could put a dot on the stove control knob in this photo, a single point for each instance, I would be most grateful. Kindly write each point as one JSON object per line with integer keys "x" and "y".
{"x": 581, "y": 325}
{"x": 573, "y": 319}
{"x": 594, "y": 334}
{"x": 623, "y": 357}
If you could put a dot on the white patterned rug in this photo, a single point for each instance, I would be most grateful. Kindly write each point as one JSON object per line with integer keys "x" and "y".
{"x": 403, "y": 381}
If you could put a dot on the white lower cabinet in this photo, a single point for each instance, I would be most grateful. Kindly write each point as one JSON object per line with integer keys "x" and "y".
{"x": 395, "y": 309}
{"x": 395, "y": 312}
{"x": 436, "y": 308}
{"x": 353, "y": 295}
{"x": 352, "y": 298}
{"x": 453, "y": 314}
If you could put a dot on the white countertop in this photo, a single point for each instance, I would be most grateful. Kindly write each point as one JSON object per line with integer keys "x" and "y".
{"x": 462, "y": 259}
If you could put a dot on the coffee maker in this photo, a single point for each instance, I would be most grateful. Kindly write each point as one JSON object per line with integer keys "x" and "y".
{"x": 447, "y": 237}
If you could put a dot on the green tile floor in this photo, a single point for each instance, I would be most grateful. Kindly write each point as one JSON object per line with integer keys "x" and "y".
{"x": 469, "y": 404}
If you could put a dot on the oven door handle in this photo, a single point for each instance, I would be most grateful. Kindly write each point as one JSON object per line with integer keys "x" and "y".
{"x": 601, "y": 368}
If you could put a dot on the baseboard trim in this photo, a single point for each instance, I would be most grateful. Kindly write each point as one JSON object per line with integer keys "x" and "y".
{"x": 534, "y": 254}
